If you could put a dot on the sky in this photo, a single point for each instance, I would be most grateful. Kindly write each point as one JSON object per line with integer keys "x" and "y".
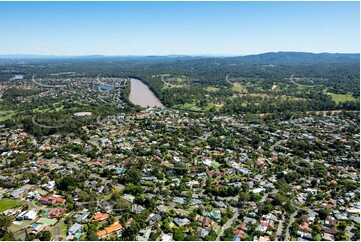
{"x": 189, "y": 28}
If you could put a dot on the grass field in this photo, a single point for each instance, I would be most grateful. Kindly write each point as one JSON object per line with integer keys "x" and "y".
{"x": 64, "y": 229}
{"x": 340, "y": 98}
{"x": 237, "y": 87}
{"x": 7, "y": 203}
{"x": 212, "y": 89}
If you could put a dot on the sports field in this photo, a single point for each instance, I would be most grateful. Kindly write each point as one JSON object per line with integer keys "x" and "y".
{"x": 47, "y": 221}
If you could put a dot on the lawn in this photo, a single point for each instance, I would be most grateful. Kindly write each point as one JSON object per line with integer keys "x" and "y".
{"x": 64, "y": 229}
{"x": 25, "y": 223}
{"x": 7, "y": 203}
{"x": 341, "y": 98}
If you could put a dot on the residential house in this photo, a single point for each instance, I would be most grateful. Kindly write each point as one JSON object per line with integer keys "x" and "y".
{"x": 181, "y": 221}
{"x": 202, "y": 233}
{"x": 114, "y": 228}
{"x": 144, "y": 234}
{"x": 100, "y": 217}
{"x": 82, "y": 216}
{"x": 154, "y": 218}
{"x": 166, "y": 237}
{"x": 55, "y": 212}
{"x": 18, "y": 192}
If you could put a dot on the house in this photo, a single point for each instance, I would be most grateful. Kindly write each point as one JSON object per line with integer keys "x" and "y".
{"x": 81, "y": 217}
{"x": 206, "y": 221}
{"x": 49, "y": 186}
{"x": 239, "y": 233}
{"x": 161, "y": 208}
{"x": 167, "y": 237}
{"x": 178, "y": 200}
{"x": 196, "y": 202}
{"x": 304, "y": 228}
{"x": 312, "y": 215}
{"x": 330, "y": 221}
{"x": 329, "y": 230}
{"x": 90, "y": 183}
{"x": 27, "y": 215}
{"x": 55, "y": 212}
{"x": 100, "y": 217}
{"x": 215, "y": 214}
{"x": 109, "y": 230}
{"x": 202, "y": 233}
{"x": 51, "y": 200}
{"x": 33, "y": 195}
{"x": 219, "y": 204}
{"x": 355, "y": 219}
{"x": 305, "y": 218}
{"x": 181, "y": 222}
{"x": 128, "y": 197}
{"x": 18, "y": 192}
{"x": 75, "y": 228}
{"x": 311, "y": 191}
{"x": 261, "y": 228}
{"x": 38, "y": 228}
{"x": 155, "y": 219}
{"x": 137, "y": 208}
{"x": 328, "y": 237}
{"x": 144, "y": 234}
{"x": 248, "y": 220}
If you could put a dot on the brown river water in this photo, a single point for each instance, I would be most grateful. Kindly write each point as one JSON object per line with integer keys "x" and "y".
{"x": 141, "y": 95}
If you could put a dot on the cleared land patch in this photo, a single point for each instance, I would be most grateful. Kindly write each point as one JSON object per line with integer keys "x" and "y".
{"x": 341, "y": 98}
{"x": 7, "y": 203}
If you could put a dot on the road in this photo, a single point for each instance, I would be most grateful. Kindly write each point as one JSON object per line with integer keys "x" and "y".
{"x": 280, "y": 227}
{"x": 44, "y": 85}
{"x": 228, "y": 80}
{"x": 292, "y": 219}
{"x": 229, "y": 223}
{"x": 301, "y": 85}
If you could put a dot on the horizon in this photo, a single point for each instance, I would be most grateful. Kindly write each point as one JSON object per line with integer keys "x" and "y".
{"x": 178, "y": 28}
{"x": 177, "y": 55}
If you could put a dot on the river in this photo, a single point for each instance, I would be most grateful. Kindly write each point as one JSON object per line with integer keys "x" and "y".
{"x": 141, "y": 95}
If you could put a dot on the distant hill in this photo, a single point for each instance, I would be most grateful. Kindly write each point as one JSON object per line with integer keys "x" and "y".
{"x": 270, "y": 58}
{"x": 286, "y": 58}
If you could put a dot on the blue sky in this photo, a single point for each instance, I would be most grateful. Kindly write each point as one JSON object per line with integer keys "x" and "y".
{"x": 161, "y": 28}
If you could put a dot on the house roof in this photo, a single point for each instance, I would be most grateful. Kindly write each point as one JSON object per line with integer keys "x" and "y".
{"x": 100, "y": 216}
{"x": 108, "y": 230}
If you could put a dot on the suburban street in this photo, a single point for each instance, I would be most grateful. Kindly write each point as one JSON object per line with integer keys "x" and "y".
{"x": 229, "y": 223}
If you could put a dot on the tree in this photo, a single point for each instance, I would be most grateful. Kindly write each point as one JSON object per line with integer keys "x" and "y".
{"x": 178, "y": 235}
{"x": 5, "y": 222}
{"x": 323, "y": 213}
{"x": 45, "y": 235}
{"x": 228, "y": 233}
{"x": 294, "y": 228}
